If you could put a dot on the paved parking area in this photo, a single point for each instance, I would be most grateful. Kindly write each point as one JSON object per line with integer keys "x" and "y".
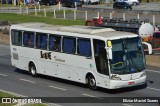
{"x": 142, "y": 6}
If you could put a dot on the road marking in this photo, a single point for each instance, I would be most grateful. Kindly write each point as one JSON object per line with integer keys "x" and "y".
{"x": 153, "y": 71}
{"x": 52, "y": 104}
{"x": 127, "y": 105}
{"x": 57, "y": 88}
{"x": 27, "y": 80}
{"x": 153, "y": 89}
{"x": 92, "y": 96}
{"x": 3, "y": 75}
{"x": 89, "y": 95}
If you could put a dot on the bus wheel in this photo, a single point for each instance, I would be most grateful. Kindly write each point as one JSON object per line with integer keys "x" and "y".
{"x": 33, "y": 70}
{"x": 92, "y": 83}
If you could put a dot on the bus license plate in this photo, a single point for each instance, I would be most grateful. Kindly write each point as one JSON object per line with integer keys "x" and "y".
{"x": 131, "y": 83}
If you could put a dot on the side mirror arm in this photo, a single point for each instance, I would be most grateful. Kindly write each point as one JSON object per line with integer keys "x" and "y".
{"x": 149, "y": 47}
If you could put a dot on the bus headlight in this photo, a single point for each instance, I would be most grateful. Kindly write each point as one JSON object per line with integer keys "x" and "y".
{"x": 114, "y": 77}
{"x": 143, "y": 74}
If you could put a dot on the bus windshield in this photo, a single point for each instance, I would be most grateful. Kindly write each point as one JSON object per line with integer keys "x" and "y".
{"x": 128, "y": 56}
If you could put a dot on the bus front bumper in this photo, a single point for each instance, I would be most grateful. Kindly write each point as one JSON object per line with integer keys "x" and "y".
{"x": 115, "y": 84}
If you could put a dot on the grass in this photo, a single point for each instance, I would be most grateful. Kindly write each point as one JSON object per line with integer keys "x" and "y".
{"x": 20, "y": 18}
{"x": 4, "y": 94}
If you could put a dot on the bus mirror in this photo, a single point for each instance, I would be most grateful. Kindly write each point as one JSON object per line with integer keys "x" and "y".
{"x": 109, "y": 52}
{"x": 149, "y": 47}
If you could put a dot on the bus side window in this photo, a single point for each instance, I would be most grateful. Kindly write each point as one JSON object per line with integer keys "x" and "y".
{"x": 69, "y": 45}
{"x": 41, "y": 41}
{"x": 28, "y": 39}
{"x": 16, "y": 37}
{"x": 84, "y": 47}
{"x": 55, "y": 43}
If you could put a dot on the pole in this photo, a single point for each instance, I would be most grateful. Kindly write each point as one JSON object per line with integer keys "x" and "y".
{"x": 14, "y": 2}
{"x": 86, "y": 14}
{"x": 59, "y": 5}
{"x": 98, "y": 14}
{"x": 154, "y": 20}
{"x": 110, "y": 15}
{"x": 54, "y": 13}
{"x": 75, "y": 15}
{"x": 64, "y": 12}
{"x": 137, "y": 16}
{"x": 124, "y": 16}
{"x": 27, "y": 10}
{"x": 35, "y": 11}
{"x": 39, "y": 7}
{"x": 20, "y": 10}
{"x": 45, "y": 15}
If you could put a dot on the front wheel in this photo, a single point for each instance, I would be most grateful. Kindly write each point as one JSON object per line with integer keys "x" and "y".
{"x": 134, "y": 4}
{"x": 33, "y": 70}
{"x": 92, "y": 83}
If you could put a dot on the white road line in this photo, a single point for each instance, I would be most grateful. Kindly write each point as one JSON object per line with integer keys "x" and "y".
{"x": 127, "y": 105}
{"x": 27, "y": 80}
{"x": 52, "y": 104}
{"x": 89, "y": 95}
{"x": 92, "y": 96}
{"x": 153, "y": 71}
{"x": 3, "y": 75}
{"x": 153, "y": 89}
{"x": 57, "y": 88}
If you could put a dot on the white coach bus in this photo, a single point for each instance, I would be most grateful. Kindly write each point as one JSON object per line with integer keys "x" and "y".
{"x": 91, "y": 55}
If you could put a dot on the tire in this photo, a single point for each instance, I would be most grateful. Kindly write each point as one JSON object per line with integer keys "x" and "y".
{"x": 63, "y": 5}
{"x": 92, "y": 83}
{"x": 32, "y": 70}
{"x": 72, "y": 6}
{"x": 134, "y": 3}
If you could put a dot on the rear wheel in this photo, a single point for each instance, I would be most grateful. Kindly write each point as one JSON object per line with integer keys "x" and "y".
{"x": 32, "y": 70}
{"x": 92, "y": 83}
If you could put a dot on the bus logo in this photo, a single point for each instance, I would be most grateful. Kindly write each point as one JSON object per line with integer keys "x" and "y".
{"x": 46, "y": 55}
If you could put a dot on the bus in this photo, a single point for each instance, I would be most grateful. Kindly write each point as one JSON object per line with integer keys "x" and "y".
{"x": 95, "y": 56}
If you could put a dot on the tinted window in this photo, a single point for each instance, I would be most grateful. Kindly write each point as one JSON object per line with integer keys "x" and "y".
{"x": 28, "y": 39}
{"x": 41, "y": 41}
{"x": 16, "y": 37}
{"x": 55, "y": 43}
{"x": 84, "y": 47}
{"x": 69, "y": 45}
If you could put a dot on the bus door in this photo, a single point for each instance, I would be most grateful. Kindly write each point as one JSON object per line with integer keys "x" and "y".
{"x": 101, "y": 62}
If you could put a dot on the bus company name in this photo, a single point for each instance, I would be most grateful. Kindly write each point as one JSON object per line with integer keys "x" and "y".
{"x": 57, "y": 59}
{"x": 46, "y": 55}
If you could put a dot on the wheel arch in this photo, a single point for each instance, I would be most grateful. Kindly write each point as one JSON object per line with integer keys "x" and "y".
{"x": 87, "y": 75}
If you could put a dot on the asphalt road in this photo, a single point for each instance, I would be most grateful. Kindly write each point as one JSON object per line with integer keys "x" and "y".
{"x": 20, "y": 82}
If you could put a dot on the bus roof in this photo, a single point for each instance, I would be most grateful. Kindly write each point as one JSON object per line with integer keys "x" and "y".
{"x": 88, "y": 30}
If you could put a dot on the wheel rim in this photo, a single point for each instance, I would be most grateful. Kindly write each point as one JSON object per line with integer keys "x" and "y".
{"x": 33, "y": 71}
{"x": 92, "y": 82}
